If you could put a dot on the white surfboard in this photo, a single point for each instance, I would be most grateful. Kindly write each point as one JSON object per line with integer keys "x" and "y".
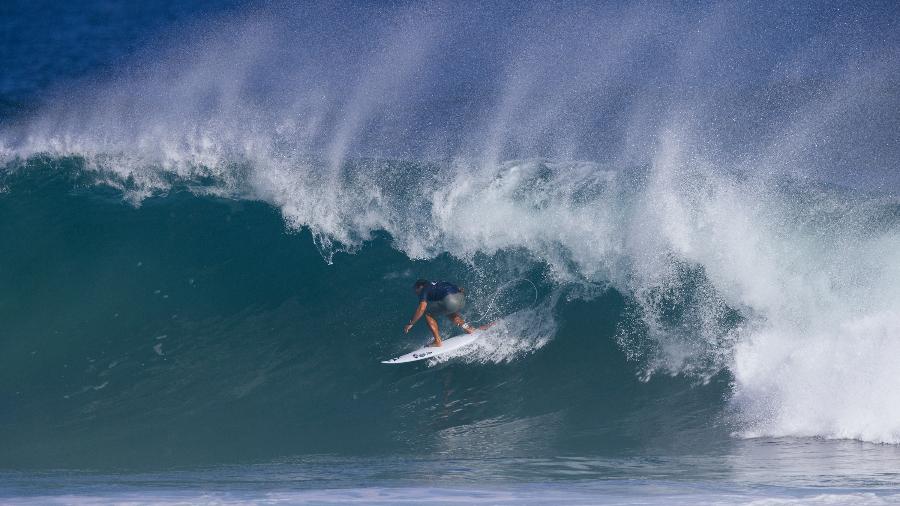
{"x": 447, "y": 345}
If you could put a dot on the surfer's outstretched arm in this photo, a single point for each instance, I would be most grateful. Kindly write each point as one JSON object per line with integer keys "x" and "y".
{"x": 420, "y": 310}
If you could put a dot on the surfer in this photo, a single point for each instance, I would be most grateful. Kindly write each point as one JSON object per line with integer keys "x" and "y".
{"x": 439, "y": 298}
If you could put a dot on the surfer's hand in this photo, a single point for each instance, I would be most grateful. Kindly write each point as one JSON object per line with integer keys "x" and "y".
{"x": 407, "y": 328}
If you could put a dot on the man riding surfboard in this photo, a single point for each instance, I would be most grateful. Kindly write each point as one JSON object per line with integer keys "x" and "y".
{"x": 439, "y": 298}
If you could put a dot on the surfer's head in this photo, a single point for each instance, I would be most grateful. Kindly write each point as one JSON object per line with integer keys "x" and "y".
{"x": 419, "y": 284}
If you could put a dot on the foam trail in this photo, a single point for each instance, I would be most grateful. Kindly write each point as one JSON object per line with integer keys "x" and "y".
{"x": 511, "y": 337}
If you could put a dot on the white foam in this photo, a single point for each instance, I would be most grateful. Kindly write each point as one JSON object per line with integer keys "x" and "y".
{"x": 509, "y": 338}
{"x": 832, "y": 382}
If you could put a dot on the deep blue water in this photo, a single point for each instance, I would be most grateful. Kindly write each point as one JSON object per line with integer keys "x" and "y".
{"x": 682, "y": 218}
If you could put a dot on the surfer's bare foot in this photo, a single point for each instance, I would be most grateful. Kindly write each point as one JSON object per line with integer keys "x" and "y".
{"x": 434, "y": 344}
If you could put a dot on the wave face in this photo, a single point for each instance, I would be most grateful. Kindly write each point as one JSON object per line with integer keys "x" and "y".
{"x": 676, "y": 224}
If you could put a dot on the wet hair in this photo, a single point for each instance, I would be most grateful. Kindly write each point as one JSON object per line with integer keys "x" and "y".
{"x": 420, "y": 283}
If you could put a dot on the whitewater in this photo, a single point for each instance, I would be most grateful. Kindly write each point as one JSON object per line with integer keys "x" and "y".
{"x": 701, "y": 199}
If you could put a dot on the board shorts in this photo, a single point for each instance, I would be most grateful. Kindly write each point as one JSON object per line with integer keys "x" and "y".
{"x": 451, "y": 303}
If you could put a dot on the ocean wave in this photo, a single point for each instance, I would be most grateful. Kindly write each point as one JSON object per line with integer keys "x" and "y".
{"x": 744, "y": 218}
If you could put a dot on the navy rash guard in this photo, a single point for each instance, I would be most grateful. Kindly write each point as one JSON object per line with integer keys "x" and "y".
{"x": 436, "y": 291}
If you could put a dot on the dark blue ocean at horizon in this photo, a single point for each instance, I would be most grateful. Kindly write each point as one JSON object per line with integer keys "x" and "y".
{"x": 682, "y": 218}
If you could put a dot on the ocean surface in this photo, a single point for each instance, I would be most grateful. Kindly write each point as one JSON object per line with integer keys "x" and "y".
{"x": 684, "y": 220}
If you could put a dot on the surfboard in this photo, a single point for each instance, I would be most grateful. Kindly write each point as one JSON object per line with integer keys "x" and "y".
{"x": 447, "y": 345}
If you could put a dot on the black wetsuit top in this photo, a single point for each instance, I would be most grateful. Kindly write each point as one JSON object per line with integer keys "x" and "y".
{"x": 436, "y": 291}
